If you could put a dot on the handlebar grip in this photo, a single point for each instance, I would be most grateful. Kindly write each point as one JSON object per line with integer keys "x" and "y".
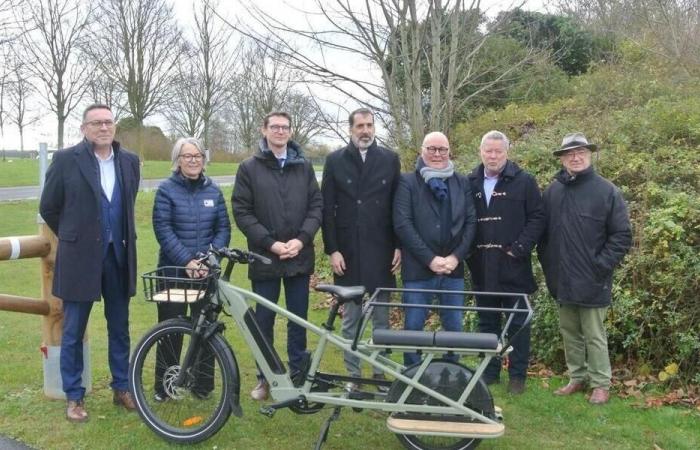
{"x": 261, "y": 258}
{"x": 242, "y": 256}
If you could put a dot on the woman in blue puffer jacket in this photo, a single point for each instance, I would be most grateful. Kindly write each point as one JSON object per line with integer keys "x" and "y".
{"x": 189, "y": 215}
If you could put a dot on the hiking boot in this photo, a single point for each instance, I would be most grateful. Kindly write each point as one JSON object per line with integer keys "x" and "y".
{"x": 124, "y": 398}
{"x": 76, "y": 412}
{"x": 600, "y": 396}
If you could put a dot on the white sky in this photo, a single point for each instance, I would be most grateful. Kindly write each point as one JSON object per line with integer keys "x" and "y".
{"x": 44, "y": 130}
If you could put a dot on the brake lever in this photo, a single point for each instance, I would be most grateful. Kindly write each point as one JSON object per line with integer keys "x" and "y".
{"x": 263, "y": 259}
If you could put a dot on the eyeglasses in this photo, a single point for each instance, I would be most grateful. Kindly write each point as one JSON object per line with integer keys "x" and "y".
{"x": 101, "y": 123}
{"x": 284, "y": 128}
{"x": 189, "y": 157}
{"x": 435, "y": 150}
{"x": 575, "y": 153}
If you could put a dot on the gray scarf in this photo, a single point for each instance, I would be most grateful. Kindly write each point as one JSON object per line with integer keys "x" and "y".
{"x": 435, "y": 179}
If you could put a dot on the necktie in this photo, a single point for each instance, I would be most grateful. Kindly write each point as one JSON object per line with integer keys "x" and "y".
{"x": 280, "y": 161}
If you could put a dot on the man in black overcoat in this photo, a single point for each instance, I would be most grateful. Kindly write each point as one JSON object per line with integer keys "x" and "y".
{"x": 88, "y": 202}
{"x": 510, "y": 221}
{"x": 359, "y": 181}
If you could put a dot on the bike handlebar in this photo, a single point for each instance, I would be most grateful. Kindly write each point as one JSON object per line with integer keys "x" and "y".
{"x": 232, "y": 254}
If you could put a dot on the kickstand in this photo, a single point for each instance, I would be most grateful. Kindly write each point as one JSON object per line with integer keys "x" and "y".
{"x": 325, "y": 427}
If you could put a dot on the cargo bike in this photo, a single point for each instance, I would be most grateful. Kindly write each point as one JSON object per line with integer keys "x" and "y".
{"x": 186, "y": 382}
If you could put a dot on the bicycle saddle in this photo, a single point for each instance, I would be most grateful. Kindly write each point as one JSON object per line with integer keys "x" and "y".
{"x": 342, "y": 293}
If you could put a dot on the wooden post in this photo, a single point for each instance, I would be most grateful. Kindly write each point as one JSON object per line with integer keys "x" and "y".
{"x": 53, "y": 321}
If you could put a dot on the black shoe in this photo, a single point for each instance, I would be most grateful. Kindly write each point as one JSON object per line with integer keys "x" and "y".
{"x": 161, "y": 397}
{"x": 516, "y": 386}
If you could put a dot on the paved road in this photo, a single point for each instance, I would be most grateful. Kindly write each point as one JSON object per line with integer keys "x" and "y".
{"x": 11, "y": 444}
{"x": 32, "y": 192}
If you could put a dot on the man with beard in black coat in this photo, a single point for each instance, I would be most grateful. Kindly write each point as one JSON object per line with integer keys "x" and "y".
{"x": 359, "y": 181}
{"x": 510, "y": 220}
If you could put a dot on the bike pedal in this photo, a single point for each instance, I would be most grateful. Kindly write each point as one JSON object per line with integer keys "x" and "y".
{"x": 267, "y": 411}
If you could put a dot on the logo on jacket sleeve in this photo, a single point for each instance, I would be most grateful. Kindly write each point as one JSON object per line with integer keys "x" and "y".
{"x": 208, "y": 203}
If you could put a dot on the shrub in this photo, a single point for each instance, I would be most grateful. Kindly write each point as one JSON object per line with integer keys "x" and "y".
{"x": 646, "y": 119}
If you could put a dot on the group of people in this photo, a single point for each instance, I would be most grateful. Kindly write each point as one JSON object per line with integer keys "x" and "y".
{"x": 431, "y": 224}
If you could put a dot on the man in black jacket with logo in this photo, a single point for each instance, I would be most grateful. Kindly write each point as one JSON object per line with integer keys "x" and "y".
{"x": 277, "y": 205}
{"x": 510, "y": 220}
{"x": 588, "y": 233}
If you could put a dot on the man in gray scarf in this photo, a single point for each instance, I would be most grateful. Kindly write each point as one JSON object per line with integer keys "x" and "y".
{"x": 435, "y": 220}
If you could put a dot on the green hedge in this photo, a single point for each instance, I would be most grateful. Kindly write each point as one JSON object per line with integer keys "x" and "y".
{"x": 646, "y": 120}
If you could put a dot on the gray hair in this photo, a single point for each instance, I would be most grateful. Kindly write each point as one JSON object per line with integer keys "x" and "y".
{"x": 177, "y": 148}
{"x": 495, "y": 135}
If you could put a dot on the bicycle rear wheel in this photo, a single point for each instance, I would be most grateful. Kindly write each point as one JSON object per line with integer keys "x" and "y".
{"x": 450, "y": 379}
{"x": 198, "y": 409}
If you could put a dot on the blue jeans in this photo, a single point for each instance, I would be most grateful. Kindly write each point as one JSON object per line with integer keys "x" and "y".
{"x": 296, "y": 293}
{"x": 75, "y": 319}
{"x": 491, "y": 322}
{"x": 415, "y": 317}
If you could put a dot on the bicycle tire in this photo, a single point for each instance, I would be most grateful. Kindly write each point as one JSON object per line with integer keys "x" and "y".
{"x": 450, "y": 379}
{"x": 192, "y": 413}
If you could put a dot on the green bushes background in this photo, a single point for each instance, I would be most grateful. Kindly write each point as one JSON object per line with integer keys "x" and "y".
{"x": 645, "y": 117}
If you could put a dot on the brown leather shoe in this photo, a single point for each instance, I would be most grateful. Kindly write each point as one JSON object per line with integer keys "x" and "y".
{"x": 261, "y": 391}
{"x": 570, "y": 388}
{"x": 124, "y": 398}
{"x": 600, "y": 396}
{"x": 76, "y": 412}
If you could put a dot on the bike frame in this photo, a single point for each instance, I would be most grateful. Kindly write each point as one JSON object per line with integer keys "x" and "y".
{"x": 237, "y": 302}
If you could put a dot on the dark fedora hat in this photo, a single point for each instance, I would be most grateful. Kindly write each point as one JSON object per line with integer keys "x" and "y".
{"x": 572, "y": 141}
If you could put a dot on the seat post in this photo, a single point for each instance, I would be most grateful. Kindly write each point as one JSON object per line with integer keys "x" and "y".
{"x": 332, "y": 315}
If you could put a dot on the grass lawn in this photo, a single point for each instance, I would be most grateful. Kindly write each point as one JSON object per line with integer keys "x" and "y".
{"x": 25, "y": 172}
{"x": 535, "y": 420}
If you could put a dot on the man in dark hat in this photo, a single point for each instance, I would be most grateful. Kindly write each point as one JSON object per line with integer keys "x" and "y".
{"x": 588, "y": 233}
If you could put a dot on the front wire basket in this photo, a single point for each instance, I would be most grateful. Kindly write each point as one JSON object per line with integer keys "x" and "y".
{"x": 170, "y": 284}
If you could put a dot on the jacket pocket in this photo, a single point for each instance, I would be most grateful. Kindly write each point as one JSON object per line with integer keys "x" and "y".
{"x": 68, "y": 236}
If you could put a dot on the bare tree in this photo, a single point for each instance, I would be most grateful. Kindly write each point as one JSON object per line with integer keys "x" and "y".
{"x": 309, "y": 119}
{"x": 267, "y": 84}
{"x": 53, "y": 31}
{"x": 4, "y": 88}
{"x": 242, "y": 112}
{"x": 214, "y": 65}
{"x": 669, "y": 28}
{"x": 403, "y": 40}
{"x": 185, "y": 112}
{"x": 138, "y": 44}
{"x": 9, "y": 28}
{"x": 20, "y": 91}
{"x": 105, "y": 90}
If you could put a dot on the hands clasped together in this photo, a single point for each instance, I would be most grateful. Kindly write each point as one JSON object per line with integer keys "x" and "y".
{"x": 287, "y": 250}
{"x": 444, "y": 266}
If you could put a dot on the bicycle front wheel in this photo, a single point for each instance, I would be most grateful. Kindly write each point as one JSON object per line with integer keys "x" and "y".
{"x": 199, "y": 408}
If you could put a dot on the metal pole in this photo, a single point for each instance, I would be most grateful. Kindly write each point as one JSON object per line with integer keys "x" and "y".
{"x": 43, "y": 165}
